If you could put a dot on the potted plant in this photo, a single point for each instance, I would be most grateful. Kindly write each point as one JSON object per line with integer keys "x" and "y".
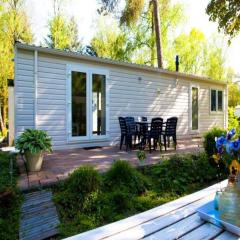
{"x": 141, "y": 155}
{"x": 33, "y": 144}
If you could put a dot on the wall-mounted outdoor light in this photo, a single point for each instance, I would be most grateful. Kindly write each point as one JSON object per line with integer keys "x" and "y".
{"x": 139, "y": 79}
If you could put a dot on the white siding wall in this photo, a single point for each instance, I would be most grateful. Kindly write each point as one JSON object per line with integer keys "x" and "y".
{"x": 152, "y": 96}
{"x": 24, "y": 91}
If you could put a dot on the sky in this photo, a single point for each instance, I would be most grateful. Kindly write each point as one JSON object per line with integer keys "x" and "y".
{"x": 85, "y": 12}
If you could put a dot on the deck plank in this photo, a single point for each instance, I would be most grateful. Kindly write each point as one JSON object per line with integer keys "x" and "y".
{"x": 206, "y": 232}
{"x": 157, "y": 224}
{"x": 227, "y": 236}
{"x": 178, "y": 229}
{"x": 39, "y": 219}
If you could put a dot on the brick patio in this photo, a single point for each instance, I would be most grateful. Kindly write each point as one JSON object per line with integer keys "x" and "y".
{"x": 59, "y": 164}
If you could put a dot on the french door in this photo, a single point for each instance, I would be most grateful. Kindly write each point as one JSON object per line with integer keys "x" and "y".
{"x": 87, "y": 103}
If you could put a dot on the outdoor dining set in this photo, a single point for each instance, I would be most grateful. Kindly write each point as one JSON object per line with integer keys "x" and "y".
{"x": 143, "y": 133}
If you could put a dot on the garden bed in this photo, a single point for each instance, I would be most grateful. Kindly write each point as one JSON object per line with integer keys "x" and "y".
{"x": 10, "y": 199}
{"x": 87, "y": 200}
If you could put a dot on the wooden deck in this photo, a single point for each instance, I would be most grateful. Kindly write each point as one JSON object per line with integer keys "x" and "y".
{"x": 39, "y": 219}
{"x": 175, "y": 220}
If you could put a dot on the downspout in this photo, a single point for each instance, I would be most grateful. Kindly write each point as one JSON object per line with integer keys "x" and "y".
{"x": 35, "y": 87}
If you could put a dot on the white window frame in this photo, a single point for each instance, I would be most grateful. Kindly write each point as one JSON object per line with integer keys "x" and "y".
{"x": 190, "y": 108}
{"x": 89, "y": 70}
{"x": 223, "y": 101}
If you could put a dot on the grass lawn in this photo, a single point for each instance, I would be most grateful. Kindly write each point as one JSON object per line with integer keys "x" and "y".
{"x": 87, "y": 200}
{"x": 10, "y": 200}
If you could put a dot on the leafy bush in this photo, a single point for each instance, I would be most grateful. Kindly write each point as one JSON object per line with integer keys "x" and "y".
{"x": 233, "y": 120}
{"x": 123, "y": 175}
{"x": 209, "y": 140}
{"x": 182, "y": 172}
{"x": 10, "y": 199}
{"x": 34, "y": 140}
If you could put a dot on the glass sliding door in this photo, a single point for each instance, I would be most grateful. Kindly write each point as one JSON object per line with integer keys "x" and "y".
{"x": 79, "y": 104}
{"x": 194, "y": 108}
{"x": 98, "y": 104}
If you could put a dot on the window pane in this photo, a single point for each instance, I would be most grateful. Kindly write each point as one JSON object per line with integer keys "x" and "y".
{"x": 194, "y": 108}
{"x": 99, "y": 104}
{"x": 220, "y": 100}
{"x": 213, "y": 100}
{"x": 79, "y": 104}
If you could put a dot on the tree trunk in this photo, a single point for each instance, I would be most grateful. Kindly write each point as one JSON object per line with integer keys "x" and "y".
{"x": 152, "y": 42}
{"x": 157, "y": 32}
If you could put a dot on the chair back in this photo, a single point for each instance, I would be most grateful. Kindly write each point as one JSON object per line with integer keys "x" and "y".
{"x": 144, "y": 119}
{"x": 171, "y": 126}
{"x": 123, "y": 125}
{"x": 131, "y": 125}
{"x": 156, "y": 126}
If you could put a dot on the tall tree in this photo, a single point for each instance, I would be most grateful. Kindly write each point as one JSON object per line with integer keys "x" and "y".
{"x": 138, "y": 40}
{"x": 131, "y": 14}
{"x": 63, "y": 32}
{"x": 14, "y": 26}
{"x": 227, "y": 14}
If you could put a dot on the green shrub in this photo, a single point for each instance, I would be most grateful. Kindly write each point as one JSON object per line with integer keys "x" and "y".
{"x": 123, "y": 175}
{"x": 182, "y": 172}
{"x": 10, "y": 199}
{"x": 209, "y": 140}
{"x": 80, "y": 189}
{"x": 34, "y": 140}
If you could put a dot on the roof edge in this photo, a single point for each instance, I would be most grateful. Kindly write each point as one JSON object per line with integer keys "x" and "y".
{"x": 116, "y": 63}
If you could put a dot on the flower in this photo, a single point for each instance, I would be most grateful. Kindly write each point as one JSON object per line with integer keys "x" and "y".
{"x": 235, "y": 146}
{"x": 230, "y": 134}
{"x": 220, "y": 143}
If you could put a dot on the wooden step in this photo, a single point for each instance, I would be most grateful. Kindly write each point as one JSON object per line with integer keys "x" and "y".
{"x": 39, "y": 219}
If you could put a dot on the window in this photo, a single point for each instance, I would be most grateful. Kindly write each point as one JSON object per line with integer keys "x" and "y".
{"x": 216, "y": 100}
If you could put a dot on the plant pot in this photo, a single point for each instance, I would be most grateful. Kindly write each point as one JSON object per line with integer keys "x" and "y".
{"x": 142, "y": 163}
{"x": 34, "y": 161}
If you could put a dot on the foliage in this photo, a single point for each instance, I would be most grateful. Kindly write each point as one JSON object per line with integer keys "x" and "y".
{"x": 34, "y": 140}
{"x": 233, "y": 120}
{"x": 136, "y": 42}
{"x": 233, "y": 95}
{"x": 141, "y": 155}
{"x": 180, "y": 173}
{"x": 63, "y": 34}
{"x": 123, "y": 175}
{"x": 200, "y": 56}
{"x": 226, "y": 14}
{"x": 209, "y": 140}
{"x": 123, "y": 191}
{"x": 10, "y": 199}
{"x": 110, "y": 41}
{"x": 14, "y": 26}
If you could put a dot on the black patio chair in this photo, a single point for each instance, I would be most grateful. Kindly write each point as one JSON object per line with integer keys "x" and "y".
{"x": 144, "y": 119}
{"x": 170, "y": 131}
{"x": 132, "y": 129}
{"x": 155, "y": 133}
{"x": 124, "y": 132}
